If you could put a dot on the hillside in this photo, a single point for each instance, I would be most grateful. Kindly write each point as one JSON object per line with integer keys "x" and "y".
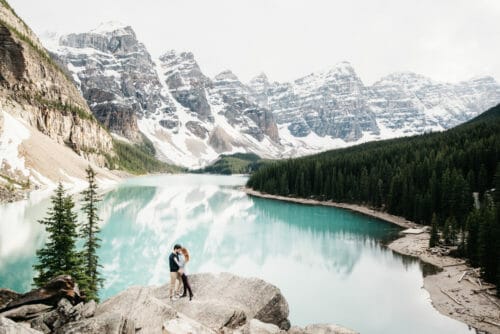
{"x": 426, "y": 178}
{"x": 47, "y": 131}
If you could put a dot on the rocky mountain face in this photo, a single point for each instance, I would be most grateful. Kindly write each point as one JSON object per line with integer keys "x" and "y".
{"x": 116, "y": 75}
{"x": 337, "y": 104}
{"x": 35, "y": 93}
{"x": 192, "y": 118}
{"x": 331, "y": 103}
{"x": 414, "y": 104}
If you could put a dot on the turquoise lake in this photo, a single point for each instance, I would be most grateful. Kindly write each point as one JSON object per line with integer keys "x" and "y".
{"x": 331, "y": 264}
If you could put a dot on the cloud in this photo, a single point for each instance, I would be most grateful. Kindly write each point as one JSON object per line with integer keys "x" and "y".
{"x": 449, "y": 40}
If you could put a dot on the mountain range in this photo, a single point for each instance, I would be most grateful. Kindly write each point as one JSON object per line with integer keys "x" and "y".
{"x": 99, "y": 97}
{"x": 191, "y": 118}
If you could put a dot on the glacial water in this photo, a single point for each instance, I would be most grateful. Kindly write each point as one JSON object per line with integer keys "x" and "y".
{"x": 330, "y": 264}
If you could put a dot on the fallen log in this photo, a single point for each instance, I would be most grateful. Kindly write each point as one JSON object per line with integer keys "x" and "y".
{"x": 454, "y": 264}
{"x": 449, "y": 296}
{"x": 491, "y": 300}
{"x": 491, "y": 322}
{"x": 62, "y": 286}
{"x": 461, "y": 277}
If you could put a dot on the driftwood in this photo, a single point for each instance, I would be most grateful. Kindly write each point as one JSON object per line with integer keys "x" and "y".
{"x": 484, "y": 288}
{"x": 490, "y": 299}
{"x": 62, "y": 286}
{"x": 454, "y": 264}
{"x": 490, "y": 322}
{"x": 461, "y": 277}
{"x": 450, "y": 296}
{"x": 472, "y": 281}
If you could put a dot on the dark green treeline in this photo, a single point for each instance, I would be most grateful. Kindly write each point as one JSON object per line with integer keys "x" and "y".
{"x": 417, "y": 177}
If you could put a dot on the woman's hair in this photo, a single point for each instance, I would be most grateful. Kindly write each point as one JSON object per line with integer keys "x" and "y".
{"x": 185, "y": 252}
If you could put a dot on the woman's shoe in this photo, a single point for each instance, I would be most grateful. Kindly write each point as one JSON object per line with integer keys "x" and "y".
{"x": 183, "y": 295}
{"x": 190, "y": 297}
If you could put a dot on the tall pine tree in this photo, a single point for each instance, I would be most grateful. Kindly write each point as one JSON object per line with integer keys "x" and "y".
{"x": 90, "y": 234}
{"x": 59, "y": 255}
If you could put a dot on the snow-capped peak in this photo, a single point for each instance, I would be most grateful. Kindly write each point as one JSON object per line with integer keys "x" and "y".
{"x": 406, "y": 78}
{"x": 344, "y": 68}
{"x": 226, "y": 75}
{"x": 113, "y": 27}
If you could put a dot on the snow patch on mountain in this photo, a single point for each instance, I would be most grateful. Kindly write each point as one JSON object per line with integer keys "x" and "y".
{"x": 13, "y": 134}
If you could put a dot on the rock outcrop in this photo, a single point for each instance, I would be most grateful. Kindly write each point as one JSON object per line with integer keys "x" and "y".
{"x": 223, "y": 303}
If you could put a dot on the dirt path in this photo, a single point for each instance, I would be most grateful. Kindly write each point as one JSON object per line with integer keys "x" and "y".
{"x": 462, "y": 298}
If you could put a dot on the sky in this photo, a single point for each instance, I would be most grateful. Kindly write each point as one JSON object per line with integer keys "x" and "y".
{"x": 447, "y": 40}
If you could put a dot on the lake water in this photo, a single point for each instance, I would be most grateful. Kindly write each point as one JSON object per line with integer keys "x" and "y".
{"x": 330, "y": 264}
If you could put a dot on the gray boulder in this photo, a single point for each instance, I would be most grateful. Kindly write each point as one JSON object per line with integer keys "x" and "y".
{"x": 108, "y": 323}
{"x": 221, "y": 301}
{"x": 26, "y": 312}
{"x": 225, "y": 300}
{"x": 258, "y": 327}
{"x": 8, "y": 326}
{"x": 141, "y": 306}
{"x": 184, "y": 325}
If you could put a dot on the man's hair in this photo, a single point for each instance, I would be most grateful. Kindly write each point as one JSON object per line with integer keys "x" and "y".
{"x": 177, "y": 246}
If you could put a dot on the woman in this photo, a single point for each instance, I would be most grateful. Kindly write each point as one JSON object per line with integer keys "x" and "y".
{"x": 183, "y": 260}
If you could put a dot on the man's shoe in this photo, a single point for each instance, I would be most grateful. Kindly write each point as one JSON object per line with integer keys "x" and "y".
{"x": 174, "y": 298}
{"x": 183, "y": 295}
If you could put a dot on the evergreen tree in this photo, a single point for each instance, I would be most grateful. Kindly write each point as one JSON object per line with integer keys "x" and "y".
{"x": 59, "y": 255}
{"x": 414, "y": 177}
{"x": 434, "y": 240}
{"x": 89, "y": 233}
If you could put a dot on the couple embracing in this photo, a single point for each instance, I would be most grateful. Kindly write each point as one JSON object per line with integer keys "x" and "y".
{"x": 177, "y": 261}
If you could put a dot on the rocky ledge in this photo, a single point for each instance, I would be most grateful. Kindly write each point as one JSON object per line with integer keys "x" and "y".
{"x": 223, "y": 303}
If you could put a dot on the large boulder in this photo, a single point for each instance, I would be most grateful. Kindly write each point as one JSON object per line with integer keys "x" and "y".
{"x": 255, "y": 326}
{"x": 107, "y": 323}
{"x": 221, "y": 301}
{"x": 141, "y": 306}
{"x": 225, "y": 300}
{"x": 8, "y": 326}
{"x": 26, "y": 312}
{"x": 184, "y": 325}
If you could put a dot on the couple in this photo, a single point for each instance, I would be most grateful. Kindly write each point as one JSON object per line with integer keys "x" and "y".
{"x": 177, "y": 262}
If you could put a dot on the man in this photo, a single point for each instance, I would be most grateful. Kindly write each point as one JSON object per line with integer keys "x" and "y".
{"x": 173, "y": 262}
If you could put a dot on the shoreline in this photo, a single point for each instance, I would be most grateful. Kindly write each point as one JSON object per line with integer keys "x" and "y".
{"x": 465, "y": 299}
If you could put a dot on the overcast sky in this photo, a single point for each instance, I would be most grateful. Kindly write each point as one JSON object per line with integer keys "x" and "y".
{"x": 448, "y": 40}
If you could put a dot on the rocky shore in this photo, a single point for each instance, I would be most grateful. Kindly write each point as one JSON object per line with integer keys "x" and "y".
{"x": 464, "y": 297}
{"x": 223, "y": 303}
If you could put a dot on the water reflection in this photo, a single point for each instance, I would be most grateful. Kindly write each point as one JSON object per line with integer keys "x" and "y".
{"x": 329, "y": 263}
